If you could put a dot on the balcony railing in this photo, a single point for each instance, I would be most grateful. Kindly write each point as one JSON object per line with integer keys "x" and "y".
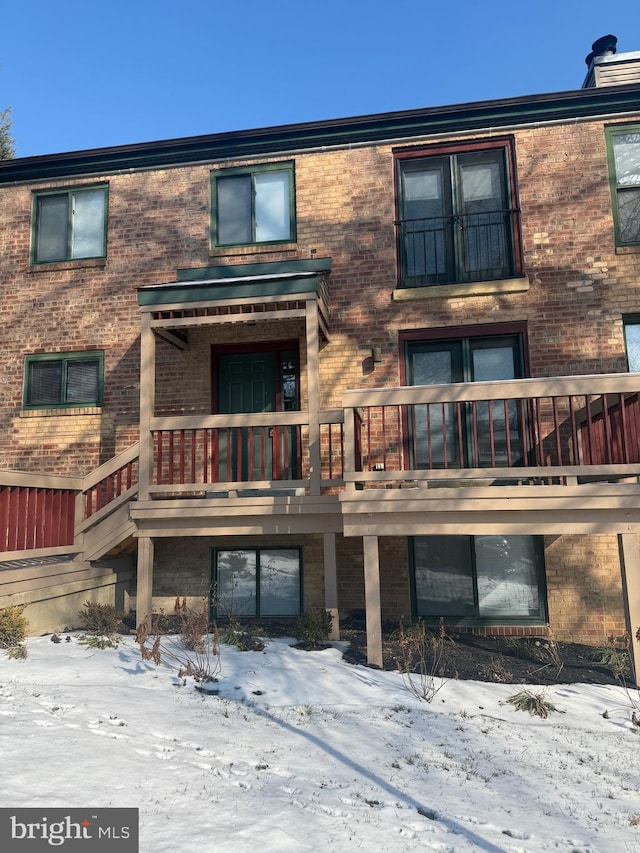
{"x": 584, "y": 426}
{"x": 461, "y": 248}
{"x": 556, "y": 431}
{"x": 265, "y": 450}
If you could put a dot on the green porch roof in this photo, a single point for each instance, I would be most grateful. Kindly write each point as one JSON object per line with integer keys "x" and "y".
{"x": 243, "y": 281}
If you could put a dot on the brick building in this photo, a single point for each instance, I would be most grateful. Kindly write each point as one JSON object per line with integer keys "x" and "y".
{"x": 385, "y": 363}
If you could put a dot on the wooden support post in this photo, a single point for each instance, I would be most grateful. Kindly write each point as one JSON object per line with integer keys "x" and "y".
{"x": 349, "y": 446}
{"x": 144, "y": 581}
{"x": 629, "y": 547}
{"x": 331, "y": 582}
{"x": 372, "y": 600}
{"x": 147, "y": 405}
{"x": 313, "y": 395}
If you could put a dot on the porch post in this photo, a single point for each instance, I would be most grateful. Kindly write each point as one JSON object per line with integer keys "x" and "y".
{"x": 144, "y": 581}
{"x": 372, "y": 600}
{"x": 147, "y": 405}
{"x": 331, "y": 582}
{"x": 629, "y": 547}
{"x": 313, "y": 394}
{"x": 144, "y": 577}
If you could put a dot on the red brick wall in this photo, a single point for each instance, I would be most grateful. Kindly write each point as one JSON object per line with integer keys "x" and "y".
{"x": 580, "y": 287}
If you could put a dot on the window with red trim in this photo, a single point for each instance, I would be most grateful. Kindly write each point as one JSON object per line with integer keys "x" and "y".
{"x": 457, "y": 214}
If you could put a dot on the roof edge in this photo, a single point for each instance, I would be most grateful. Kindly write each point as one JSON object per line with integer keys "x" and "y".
{"x": 579, "y": 103}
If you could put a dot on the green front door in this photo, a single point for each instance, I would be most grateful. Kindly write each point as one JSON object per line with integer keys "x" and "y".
{"x": 261, "y": 381}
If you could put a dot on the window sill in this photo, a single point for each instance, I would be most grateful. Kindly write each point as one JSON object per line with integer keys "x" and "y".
{"x": 261, "y": 249}
{"x": 627, "y": 250}
{"x": 56, "y": 266}
{"x": 61, "y": 412}
{"x": 472, "y": 288}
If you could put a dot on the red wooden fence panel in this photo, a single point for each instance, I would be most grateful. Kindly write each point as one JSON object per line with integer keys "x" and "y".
{"x": 32, "y": 517}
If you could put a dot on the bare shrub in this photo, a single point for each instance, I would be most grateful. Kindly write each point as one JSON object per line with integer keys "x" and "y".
{"x": 422, "y": 659}
{"x": 543, "y": 651}
{"x": 19, "y": 652}
{"x": 614, "y": 655}
{"x": 496, "y": 670}
{"x": 195, "y": 654}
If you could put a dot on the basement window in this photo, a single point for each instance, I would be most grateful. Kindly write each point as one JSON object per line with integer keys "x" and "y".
{"x": 66, "y": 380}
{"x": 478, "y": 579}
{"x": 257, "y": 582}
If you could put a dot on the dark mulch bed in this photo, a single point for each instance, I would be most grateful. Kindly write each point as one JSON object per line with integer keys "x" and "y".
{"x": 522, "y": 660}
{"x": 525, "y": 660}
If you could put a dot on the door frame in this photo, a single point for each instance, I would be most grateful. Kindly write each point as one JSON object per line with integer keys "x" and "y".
{"x": 286, "y": 440}
{"x": 248, "y": 348}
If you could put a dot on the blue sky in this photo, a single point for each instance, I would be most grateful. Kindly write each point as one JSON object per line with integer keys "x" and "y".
{"x": 83, "y": 74}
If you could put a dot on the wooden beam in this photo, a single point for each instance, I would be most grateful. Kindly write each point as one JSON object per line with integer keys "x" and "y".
{"x": 144, "y": 582}
{"x": 331, "y": 582}
{"x": 372, "y": 600}
{"x": 147, "y": 405}
{"x": 523, "y": 523}
{"x": 629, "y": 547}
{"x": 32, "y": 480}
{"x": 225, "y": 319}
{"x": 174, "y": 337}
{"x": 313, "y": 395}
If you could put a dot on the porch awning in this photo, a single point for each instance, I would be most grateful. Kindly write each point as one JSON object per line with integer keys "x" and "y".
{"x": 239, "y": 293}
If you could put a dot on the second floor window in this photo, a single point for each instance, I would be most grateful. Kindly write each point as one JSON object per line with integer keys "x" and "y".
{"x": 253, "y": 205}
{"x": 457, "y": 217}
{"x": 70, "y": 225}
{"x": 624, "y": 172}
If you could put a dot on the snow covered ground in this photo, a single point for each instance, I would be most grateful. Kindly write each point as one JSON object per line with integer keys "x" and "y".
{"x": 303, "y": 752}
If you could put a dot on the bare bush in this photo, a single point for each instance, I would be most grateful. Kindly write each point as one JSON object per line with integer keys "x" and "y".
{"x": 422, "y": 659}
{"x": 195, "y": 654}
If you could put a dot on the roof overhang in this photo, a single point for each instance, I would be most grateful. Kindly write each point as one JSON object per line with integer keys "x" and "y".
{"x": 360, "y": 130}
{"x": 239, "y": 293}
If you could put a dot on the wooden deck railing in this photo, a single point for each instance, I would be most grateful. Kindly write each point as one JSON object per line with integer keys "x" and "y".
{"x": 258, "y": 448}
{"x": 582, "y": 426}
{"x": 117, "y": 477}
{"x": 46, "y": 513}
{"x": 114, "y": 481}
{"x": 37, "y": 512}
{"x": 543, "y": 430}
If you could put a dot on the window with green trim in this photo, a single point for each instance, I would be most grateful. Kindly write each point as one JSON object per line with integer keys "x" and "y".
{"x": 65, "y": 380}
{"x": 623, "y": 144}
{"x": 252, "y": 206}
{"x": 478, "y": 578}
{"x": 257, "y": 581}
{"x": 70, "y": 225}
